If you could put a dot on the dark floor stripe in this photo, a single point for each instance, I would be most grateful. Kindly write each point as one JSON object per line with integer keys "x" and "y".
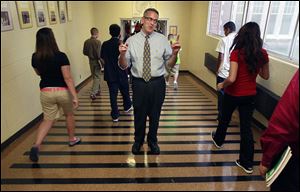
{"x": 167, "y": 94}
{"x": 131, "y": 120}
{"x": 161, "y": 110}
{"x": 170, "y": 101}
{"x": 131, "y": 142}
{"x": 132, "y": 126}
{"x": 123, "y": 165}
{"x": 171, "y": 105}
{"x": 129, "y": 134}
{"x": 167, "y": 98}
{"x": 133, "y": 180}
{"x": 128, "y": 114}
{"x": 62, "y": 153}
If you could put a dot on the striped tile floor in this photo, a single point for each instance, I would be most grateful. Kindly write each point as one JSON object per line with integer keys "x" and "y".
{"x": 103, "y": 161}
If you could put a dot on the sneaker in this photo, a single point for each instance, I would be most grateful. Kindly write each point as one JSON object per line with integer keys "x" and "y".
{"x": 76, "y": 141}
{"x": 128, "y": 110}
{"x": 154, "y": 148}
{"x": 34, "y": 154}
{"x": 136, "y": 147}
{"x": 98, "y": 93}
{"x": 167, "y": 83}
{"x": 175, "y": 86}
{"x": 248, "y": 170}
{"x": 116, "y": 120}
{"x": 212, "y": 138}
{"x": 93, "y": 97}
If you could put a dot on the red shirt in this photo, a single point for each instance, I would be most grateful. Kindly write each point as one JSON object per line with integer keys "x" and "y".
{"x": 283, "y": 128}
{"x": 245, "y": 83}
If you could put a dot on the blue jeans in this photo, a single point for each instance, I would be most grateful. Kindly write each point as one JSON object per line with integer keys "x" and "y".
{"x": 245, "y": 106}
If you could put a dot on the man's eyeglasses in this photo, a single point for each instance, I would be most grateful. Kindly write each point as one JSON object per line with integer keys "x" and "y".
{"x": 151, "y": 19}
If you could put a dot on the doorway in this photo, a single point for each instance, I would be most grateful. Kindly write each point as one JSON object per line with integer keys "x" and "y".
{"x": 132, "y": 26}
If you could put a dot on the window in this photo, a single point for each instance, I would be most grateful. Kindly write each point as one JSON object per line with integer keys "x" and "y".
{"x": 278, "y": 21}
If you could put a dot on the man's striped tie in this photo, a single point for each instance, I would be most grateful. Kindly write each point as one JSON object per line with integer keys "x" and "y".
{"x": 146, "y": 61}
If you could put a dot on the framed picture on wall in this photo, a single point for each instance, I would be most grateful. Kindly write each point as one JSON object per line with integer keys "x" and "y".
{"x": 69, "y": 10}
{"x": 24, "y": 13}
{"x": 62, "y": 11}
{"x": 40, "y": 13}
{"x": 52, "y": 12}
{"x": 173, "y": 30}
{"x": 6, "y": 19}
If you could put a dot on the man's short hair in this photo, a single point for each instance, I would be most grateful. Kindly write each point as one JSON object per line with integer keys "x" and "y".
{"x": 229, "y": 25}
{"x": 150, "y": 9}
{"x": 94, "y": 31}
{"x": 114, "y": 30}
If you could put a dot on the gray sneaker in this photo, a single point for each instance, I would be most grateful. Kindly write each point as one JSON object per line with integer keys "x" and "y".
{"x": 128, "y": 110}
{"x": 74, "y": 142}
{"x": 248, "y": 170}
{"x": 214, "y": 142}
{"x": 175, "y": 86}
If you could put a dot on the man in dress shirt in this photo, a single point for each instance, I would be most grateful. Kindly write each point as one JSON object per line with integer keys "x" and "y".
{"x": 148, "y": 85}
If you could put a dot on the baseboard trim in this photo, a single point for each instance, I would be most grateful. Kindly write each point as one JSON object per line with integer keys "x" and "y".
{"x": 32, "y": 123}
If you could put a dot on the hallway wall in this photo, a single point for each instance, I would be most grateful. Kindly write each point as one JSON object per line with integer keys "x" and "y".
{"x": 19, "y": 83}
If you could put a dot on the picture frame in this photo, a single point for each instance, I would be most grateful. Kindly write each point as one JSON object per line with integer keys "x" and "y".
{"x": 52, "y": 12}
{"x": 24, "y": 13}
{"x": 173, "y": 30}
{"x": 40, "y": 13}
{"x": 6, "y": 18}
{"x": 62, "y": 11}
{"x": 69, "y": 10}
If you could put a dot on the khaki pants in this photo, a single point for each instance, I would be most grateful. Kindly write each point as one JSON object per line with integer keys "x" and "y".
{"x": 54, "y": 103}
{"x": 95, "y": 72}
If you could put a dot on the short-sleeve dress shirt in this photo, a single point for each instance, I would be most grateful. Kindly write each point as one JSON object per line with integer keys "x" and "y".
{"x": 160, "y": 51}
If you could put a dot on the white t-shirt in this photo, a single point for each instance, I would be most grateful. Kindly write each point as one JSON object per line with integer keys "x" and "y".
{"x": 223, "y": 47}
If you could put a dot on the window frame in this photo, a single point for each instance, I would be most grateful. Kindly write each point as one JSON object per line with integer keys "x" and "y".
{"x": 289, "y": 57}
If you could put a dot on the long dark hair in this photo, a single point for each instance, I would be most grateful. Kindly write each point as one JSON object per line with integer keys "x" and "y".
{"x": 248, "y": 39}
{"x": 46, "y": 45}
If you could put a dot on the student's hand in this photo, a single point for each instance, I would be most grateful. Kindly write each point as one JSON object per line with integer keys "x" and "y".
{"x": 176, "y": 46}
{"x": 75, "y": 103}
{"x": 263, "y": 170}
{"x": 220, "y": 86}
{"x": 123, "y": 48}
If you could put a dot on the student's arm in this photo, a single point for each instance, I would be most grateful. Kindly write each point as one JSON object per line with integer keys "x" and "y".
{"x": 264, "y": 71}
{"x": 220, "y": 60}
{"x": 232, "y": 76}
{"x": 70, "y": 83}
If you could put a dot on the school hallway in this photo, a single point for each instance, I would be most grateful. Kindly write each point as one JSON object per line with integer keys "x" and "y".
{"x": 103, "y": 161}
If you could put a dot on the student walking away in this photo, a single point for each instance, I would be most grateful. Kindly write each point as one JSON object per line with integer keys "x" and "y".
{"x": 174, "y": 71}
{"x": 115, "y": 77}
{"x": 223, "y": 64}
{"x": 283, "y": 131}
{"x": 247, "y": 60}
{"x": 148, "y": 53}
{"x": 57, "y": 89}
{"x": 92, "y": 49}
